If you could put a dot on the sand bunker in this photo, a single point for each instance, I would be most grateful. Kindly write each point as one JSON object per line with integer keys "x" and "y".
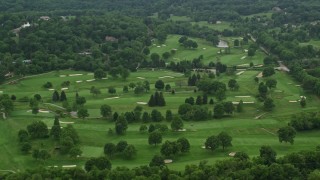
{"x": 69, "y": 166}
{"x": 43, "y": 111}
{"x": 158, "y": 46}
{"x": 62, "y": 122}
{"x": 164, "y": 45}
{"x": 1, "y": 92}
{"x": 90, "y": 80}
{"x": 203, "y": 147}
{"x": 239, "y": 73}
{"x": 293, "y": 101}
{"x": 166, "y": 77}
{"x": 142, "y": 103}
{"x": 244, "y": 65}
{"x": 278, "y": 91}
{"x": 298, "y": 85}
{"x": 259, "y": 75}
{"x": 90, "y": 74}
{"x": 63, "y": 75}
{"x": 232, "y": 154}
{"x": 242, "y": 96}
{"x": 105, "y": 78}
{"x": 235, "y": 103}
{"x": 64, "y": 89}
{"x": 141, "y": 78}
{"x": 112, "y": 98}
{"x": 248, "y": 102}
{"x": 75, "y": 74}
{"x": 51, "y": 89}
{"x": 204, "y": 48}
{"x": 181, "y": 130}
{"x": 259, "y": 65}
{"x": 243, "y": 57}
{"x": 303, "y": 97}
{"x": 246, "y": 50}
{"x": 78, "y": 81}
{"x": 167, "y": 161}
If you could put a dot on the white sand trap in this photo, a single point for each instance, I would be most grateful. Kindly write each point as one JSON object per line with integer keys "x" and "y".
{"x": 51, "y": 89}
{"x": 78, "y": 81}
{"x": 1, "y": 92}
{"x": 75, "y": 74}
{"x": 259, "y": 75}
{"x": 142, "y": 103}
{"x": 203, "y": 147}
{"x": 243, "y": 57}
{"x": 278, "y": 91}
{"x": 164, "y": 45}
{"x": 244, "y": 65}
{"x": 158, "y": 46}
{"x": 232, "y": 154}
{"x": 204, "y": 48}
{"x": 69, "y": 166}
{"x": 90, "y": 80}
{"x": 166, "y": 77}
{"x": 303, "y": 97}
{"x": 289, "y": 83}
{"x": 246, "y": 50}
{"x": 62, "y": 122}
{"x": 298, "y": 85}
{"x": 239, "y": 73}
{"x": 181, "y": 130}
{"x": 154, "y": 44}
{"x": 242, "y": 96}
{"x": 112, "y": 98}
{"x": 29, "y": 111}
{"x": 175, "y": 49}
{"x": 90, "y": 74}
{"x": 141, "y": 78}
{"x": 218, "y": 52}
{"x": 293, "y": 101}
{"x": 44, "y": 111}
{"x": 63, "y": 75}
{"x": 64, "y": 89}
{"x": 248, "y": 102}
{"x": 105, "y": 78}
{"x": 167, "y": 161}
{"x": 52, "y": 166}
{"x": 259, "y": 65}
{"x": 235, "y": 103}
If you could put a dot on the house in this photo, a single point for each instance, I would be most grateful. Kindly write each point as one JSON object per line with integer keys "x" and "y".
{"x": 45, "y": 18}
{"x": 26, "y": 25}
{"x": 27, "y": 61}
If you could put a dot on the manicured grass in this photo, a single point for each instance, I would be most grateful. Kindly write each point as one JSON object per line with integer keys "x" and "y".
{"x": 219, "y": 27}
{"x": 315, "y": 43}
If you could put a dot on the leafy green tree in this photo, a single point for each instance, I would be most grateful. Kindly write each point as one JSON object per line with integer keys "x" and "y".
{"x": 166, "y": 55}
{"x": 263, "y": 90}
{"x": 211, "y": 102}
{"x": 47, "y": 85}
{"x": 157, "y": 160}
{"x": 129, "y": 152}
{"x": 169, "y": 115}
{"x": 105, "y": 111}
{"x": 155, "y": 138}
{"x": 124, "y": 73}
{"x": 170, "y": 149}
{"x": 199, "y": 100}
{"x": 38, "y": 129}
{"x": 23, "y": 135}
{"x": 37, "y": 97}
{"x": 101, "y": 163}
{"x": 183, "y": 39}
{"x": 26, "y": 147}
{"x": 63, "y": 96}
{"x": 303, "y": 102}
{"x": 241, "y": 156}
{"x": 44, "y": 155}
{"x": 35, "y": 154}
{"x": 233, "y": 84}
{"x": 75, "y": 152}
{"x": 176, "y": 123}
{"x": 112, "y": 90}
{"x": 146, "y": 117}
{"x": 55, "y": 96}
{"x": 132, "y": 85}
{"x": 167, "y": 87}
{"x": 125, "y": 89}
{"x": 143, "y": 128}
{"x": 268, "y": 104}
{"x": 256, "y": 79}
{"x": 121, "y": 146}
{"x": 220, "y": 94}
{"x": 225, "y": 140}
{"x": 161, "y": 101}
{"x": 109, "y": 149}
{"x": 268, "y": 71}
{"x": 114, "y": 72}
{"x": 212, "y": 143}
{"x": 151, "y": 128}
{"x": 184, "y": 143}
{"x": 268, "y": 155}
{"x": 218, "y": 111}
{"x": 95, "y": 91}
{"x": 228, "y": 107}
{"x": 99, "y": 74}
{"x": 121, "y": 125}
{"x": 271, "y": 83}
{"x": 35, "y": 110}
{"x": 156, "y": 116}
{"x": 159, "y": 85}
{"x": 81, "y": 100}
{"x": 287, "y": 134}
{"x": 251, "y": 52}
{"x": 205, "y": 99}
{"x": 240, "y": 106}
{"x": 66, "y": 144}
{"x": 83, "y": 113}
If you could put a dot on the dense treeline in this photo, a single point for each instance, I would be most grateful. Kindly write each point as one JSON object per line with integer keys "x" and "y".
{"x": 300, "y": 165}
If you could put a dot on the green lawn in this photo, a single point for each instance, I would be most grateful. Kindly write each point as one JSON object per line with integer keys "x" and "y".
{"x": 219, "y": 27}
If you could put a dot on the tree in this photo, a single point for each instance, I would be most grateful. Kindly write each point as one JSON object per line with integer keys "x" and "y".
{"x": 121, "y": 146}
{"x": 99, "y": 74}
{"x": 167, "y": 87}
{"x": 105, "y": 110}
{"x": 124, "y": 73}
{"x": 38, "y": 129}
{"x": 176, "y": 123}
{"x": 268, "y": 104}
{"x": 220, "y": 94}
{"x": 183, "y": 39}
{"x": 66, "y": 144}
{"x": 44, "y": 155}
{"x": 143, "y": 128}
{"x": 146, "y": 117}
{"x": 256, "y": 79}
{"x": 132, "y": 85}
{"x": 114, "y": 72}
{"x": 303, "y": 102}
{"x": 82, "y": 113}
{"x": 35, "y": 110}
{"x": 95, "y": 91}
{"x": 151, "y": 128}
{"x": 170, "y": 149}
{"x": 205, "y": 99}
{"x": 271, "y": 83}
{"x": 47, "y": 85}
{"x": 37, "y": 97}
{"x": 166, "y": 55}
{"x": 287, "y": 134}
{"x": 184, "y": 144}
{"x": 212, "y": 143}
{"x": 232, "y": 84}
{"x": 125, "y": 89}
{"x": 268, "y": 155}
{"x": 25, "y": 147}
{"x": 109, "y": 149}
{"x": 211, "y": 101}
{"x": 35, "y": 154}
{"x": 263, "y": 90}
{"x": 218, "y": 111}
{"x": 55, "y": 96}
{"x": 169, "y": 115}
{"x": 112, "y": 90}
{"x": 236, "y": 43}
{"x": 63, "y": 96}
{"x": 161, "y": 101}
{"x": 129, "y": 152}
{"x": 240, "y": 106}
{"x": 156, "y": 116}
{"x": 159, "y": 85}
{"x": 155, "y": 138}
{"x": 101, "y": 163}
{"x": 157, "y": 160}
{"x": 121, "y": 125}
{"x": 199, "y": 100}
{"x": 251, "y": 52}
{"x": 23, "y": 135}
{"x": 75, "y": 152}
{"x": 268, "y": 71}
{"x": 225, "y": 139}
{"x": 81, "y": 100}
{"x": 228, "y": 107}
